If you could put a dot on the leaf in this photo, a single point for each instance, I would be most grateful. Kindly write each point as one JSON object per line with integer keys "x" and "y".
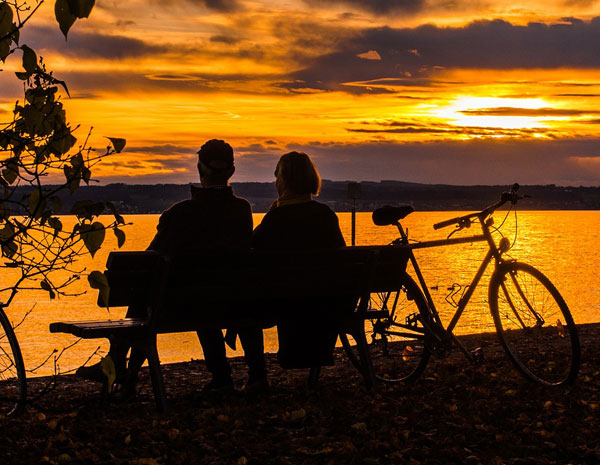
{"x": 118, "y": 217}
{"x": 56, "y": 204}
{"x": 87, "y": 209}
{"x": 11, "y": 172}
{"x": 118, "y": 144}
{"x": 98, "y": 281}
{"x": 6, "y": 19}
{"x": 47, "y": 287}
{"x": 45, "y": 216}
{"x": 561, "y": 329}
{"x": 147, "y": 461}
{"x": 16, "y": 35}
{"x": 297, "y": 414}
{"x": 77, "y": 160}
{"x": 29, "y": 60}
{"x": 108, "y": 368}
{"x": 73, "y": 176}
{"x": 4, "y": 211}
{"x": 93, "y": 236}
{"x": 60, "y": 146}
{"x": 13, "y": 264}
{"x": 81, "y": 8}
{"x": 9, "y": 249}
{"x": 4, "y": 49}
{"x": 360, "y": 427}
{"x": 55, "y": 224}
{"x": 63, "y": 84}
{"x": 120, "y": 237}
{"x": 407, "y": 354}
{"x": 86, "y": 174}
{"x": 36, "y": 204}
{"x": 7, "y": 232}
{"x": 64, "y": 16}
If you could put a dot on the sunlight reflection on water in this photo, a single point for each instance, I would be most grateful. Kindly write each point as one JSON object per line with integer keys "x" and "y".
{"x": 562, "y": 244}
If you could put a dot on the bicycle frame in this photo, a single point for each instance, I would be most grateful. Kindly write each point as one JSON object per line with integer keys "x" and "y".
{"x": 494, "y": 253}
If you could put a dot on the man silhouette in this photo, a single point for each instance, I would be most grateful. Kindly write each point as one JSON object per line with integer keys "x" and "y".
{"x": 213, "y": 218}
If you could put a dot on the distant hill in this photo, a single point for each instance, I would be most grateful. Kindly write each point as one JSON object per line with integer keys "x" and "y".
{"x": 132, "y": 198}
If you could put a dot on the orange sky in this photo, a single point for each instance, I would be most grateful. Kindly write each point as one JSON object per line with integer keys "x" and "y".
{"x": 478, "y": 92}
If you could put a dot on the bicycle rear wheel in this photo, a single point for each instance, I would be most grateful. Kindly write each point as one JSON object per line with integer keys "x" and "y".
{"x": 13, "y": 384}
{"x": 396, "y": 344}
{"x": 534, "y": 324}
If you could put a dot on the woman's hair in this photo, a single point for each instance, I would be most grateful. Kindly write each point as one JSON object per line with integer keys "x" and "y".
{"x": 298, "y": 173}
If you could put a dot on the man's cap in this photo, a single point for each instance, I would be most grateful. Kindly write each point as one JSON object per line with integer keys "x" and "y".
{"x": 216, "y": 154}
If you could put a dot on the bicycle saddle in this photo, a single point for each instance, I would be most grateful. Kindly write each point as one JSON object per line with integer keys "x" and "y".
{"x": 387, "y": 215}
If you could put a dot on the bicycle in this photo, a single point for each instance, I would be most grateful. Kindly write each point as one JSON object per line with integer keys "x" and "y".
{"x": 532, "y": 320}
{"x": 13, "y": 383}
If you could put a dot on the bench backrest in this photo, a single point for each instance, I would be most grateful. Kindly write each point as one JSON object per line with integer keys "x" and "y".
{"x": 187, "y": 288}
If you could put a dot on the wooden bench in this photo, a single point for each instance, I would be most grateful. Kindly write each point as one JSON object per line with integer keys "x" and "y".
{"x": 181, "y": 293}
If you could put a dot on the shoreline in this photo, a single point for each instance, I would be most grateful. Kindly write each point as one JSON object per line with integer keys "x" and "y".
{"x": 270, "y": 350}
{"x": 455, "y": 413}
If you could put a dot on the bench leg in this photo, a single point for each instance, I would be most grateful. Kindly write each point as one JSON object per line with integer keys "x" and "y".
{"x": 363, "y": 362}
{"x": 365, "y": 357}
{"x": 158, "y": 385}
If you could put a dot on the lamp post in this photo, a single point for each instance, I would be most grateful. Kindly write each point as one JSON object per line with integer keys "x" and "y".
{"x": 353, "y": 193}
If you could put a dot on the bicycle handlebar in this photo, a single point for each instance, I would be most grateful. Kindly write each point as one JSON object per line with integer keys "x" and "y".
{"x": 452, "y": 221}
{"x": 465, "y": 221}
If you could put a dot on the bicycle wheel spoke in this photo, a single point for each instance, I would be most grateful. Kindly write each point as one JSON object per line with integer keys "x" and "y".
{"x": 534, "y": 324}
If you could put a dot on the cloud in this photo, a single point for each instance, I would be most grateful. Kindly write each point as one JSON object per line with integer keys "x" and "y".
{"x": 493, "y": 44}
{"x": 579, "y": 3}
{"x": 436, "y": 129}
{"x": 540, "y": 112}
{"x": 486, "y": 160}
{"x": 225, "y": 39}
{"x": 11, "y": 89}
{"x": 255, "y": 148}
{"x": 378, "y": 7}
{"x": 172, "y": 77}
{"x": 164, "y": 149}
{"x": 125, "y": 23}
{"x": 88, "y": 44}
{"x": 578, "y": 95}
{"x": 164, "y": 164}
{"x": 370, "y": 55}
{"x": 220, "y": 5}
{"x": 98, "y": 82}
{"x": 471, "y": 162}
{"x": 478, "y": 161}
{"x": 224, "y": 6}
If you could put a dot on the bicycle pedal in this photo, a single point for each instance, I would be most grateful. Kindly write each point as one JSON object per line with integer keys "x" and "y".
{"x": 477, "y": 354}
{"x": 438, "y": 348}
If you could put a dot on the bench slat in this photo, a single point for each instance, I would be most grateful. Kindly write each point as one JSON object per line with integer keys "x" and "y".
{"x": 101, "y": 329}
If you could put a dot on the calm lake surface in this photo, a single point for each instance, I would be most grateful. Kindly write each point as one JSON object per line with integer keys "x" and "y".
{"x": 562, "y": 244}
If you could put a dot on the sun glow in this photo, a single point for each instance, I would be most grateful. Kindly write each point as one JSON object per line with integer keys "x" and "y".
{"x": 471, "y": 111}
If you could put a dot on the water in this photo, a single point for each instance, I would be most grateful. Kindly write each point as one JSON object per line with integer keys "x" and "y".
{"x": 563, "y": 244}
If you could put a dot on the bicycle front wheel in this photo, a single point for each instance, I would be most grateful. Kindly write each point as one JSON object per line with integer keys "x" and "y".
{"x": 13, "y": 384}
{"x": 396, "y": 344}
{"x": 534, "y": 324}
